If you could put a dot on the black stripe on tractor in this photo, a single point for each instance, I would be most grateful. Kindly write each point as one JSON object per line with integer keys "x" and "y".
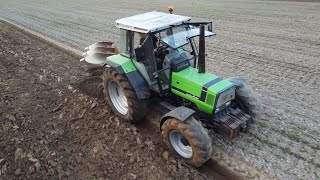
{"x": 175, "y": 88}
{"x": 211, "y": 83}
{"x": 206, "y": 86}
{"x": 203, "y": 93}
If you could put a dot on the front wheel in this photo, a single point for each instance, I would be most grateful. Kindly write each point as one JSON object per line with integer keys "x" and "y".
{"x": 248, "y": 101}
{"x": 246, "y": 98}
{"x": 189, "y": 139}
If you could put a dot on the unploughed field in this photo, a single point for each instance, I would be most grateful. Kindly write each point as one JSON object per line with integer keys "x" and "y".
{"x": 274, "y": 45}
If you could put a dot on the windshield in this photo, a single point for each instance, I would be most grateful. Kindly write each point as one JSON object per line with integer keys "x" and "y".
{"x": 179, "y": 36}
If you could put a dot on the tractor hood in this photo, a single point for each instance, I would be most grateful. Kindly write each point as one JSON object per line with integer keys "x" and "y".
{"x": 201, "y": 88}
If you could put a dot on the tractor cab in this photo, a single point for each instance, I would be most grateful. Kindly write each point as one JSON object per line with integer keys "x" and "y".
{"x": 159, "y": 43}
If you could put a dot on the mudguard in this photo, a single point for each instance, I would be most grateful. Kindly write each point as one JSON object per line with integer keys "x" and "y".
{"x": 124, "y": 65}
{"x": 181, "y": 113}
{"x": 238, "y": 81}
{"x": 139, "y": 85}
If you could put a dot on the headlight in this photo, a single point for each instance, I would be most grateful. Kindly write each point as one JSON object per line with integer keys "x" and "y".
{"x": 226, "y": 96}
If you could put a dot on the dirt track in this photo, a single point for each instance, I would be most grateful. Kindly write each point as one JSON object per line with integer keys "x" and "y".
{"x": 274, "y": 45}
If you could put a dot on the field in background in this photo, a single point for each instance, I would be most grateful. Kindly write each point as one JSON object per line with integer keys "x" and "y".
{"x": 275, "y": 45}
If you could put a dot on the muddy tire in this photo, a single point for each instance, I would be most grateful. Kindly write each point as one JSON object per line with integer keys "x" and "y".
{"x": 248, "y": 101}
{"x": 122, "y": 98}
{"x": 246, "y": 98}
{"x": 189, "y": 139}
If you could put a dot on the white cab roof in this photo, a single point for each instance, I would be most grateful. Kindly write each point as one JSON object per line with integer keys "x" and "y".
{"x": 150, "y": 21}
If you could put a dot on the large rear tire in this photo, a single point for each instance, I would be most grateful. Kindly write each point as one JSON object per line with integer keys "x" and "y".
{"x": 189, "y": 139}
{"x": 122, "y": 98}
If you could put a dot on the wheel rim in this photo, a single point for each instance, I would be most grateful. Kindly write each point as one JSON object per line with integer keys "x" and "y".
{"x": 118, "y": 98}
{"x": 180, "y": 144}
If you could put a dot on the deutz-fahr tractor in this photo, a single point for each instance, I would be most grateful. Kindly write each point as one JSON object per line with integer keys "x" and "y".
{"x": 162, "y": 56}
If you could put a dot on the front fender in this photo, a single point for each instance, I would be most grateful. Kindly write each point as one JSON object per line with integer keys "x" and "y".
{"x": 181, "y": 113}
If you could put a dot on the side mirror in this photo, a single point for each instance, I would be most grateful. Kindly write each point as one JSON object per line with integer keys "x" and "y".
{"x": 210, "y": 27}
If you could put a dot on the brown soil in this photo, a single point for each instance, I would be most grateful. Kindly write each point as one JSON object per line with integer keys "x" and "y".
{"x": 51, "y": 129}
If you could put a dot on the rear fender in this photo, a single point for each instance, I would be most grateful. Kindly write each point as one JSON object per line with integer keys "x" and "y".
{"x": 181, "y": 113}
{"x": 124, "y": 65}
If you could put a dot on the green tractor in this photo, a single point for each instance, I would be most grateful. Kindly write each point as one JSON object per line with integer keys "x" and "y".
{"x": 159, "y": 58}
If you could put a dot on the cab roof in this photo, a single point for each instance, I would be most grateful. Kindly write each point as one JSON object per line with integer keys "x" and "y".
{"x": 150, "y": 22}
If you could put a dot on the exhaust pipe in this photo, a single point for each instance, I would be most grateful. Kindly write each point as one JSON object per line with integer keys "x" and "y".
{"x": 202, "y": 51}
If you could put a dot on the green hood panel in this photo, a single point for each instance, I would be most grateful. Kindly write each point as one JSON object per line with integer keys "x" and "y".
{"x": 190, "y": 80}
{"x": 200, "y": 88}
{"x": 220, "y": 86}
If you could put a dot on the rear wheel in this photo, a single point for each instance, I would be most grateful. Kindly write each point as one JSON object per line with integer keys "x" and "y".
{"x": 122, "y": 98}
{"x": 189, "y": 139}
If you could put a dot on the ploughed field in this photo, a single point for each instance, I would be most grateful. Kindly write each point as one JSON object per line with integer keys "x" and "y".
{"x": 274, "y": 45}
